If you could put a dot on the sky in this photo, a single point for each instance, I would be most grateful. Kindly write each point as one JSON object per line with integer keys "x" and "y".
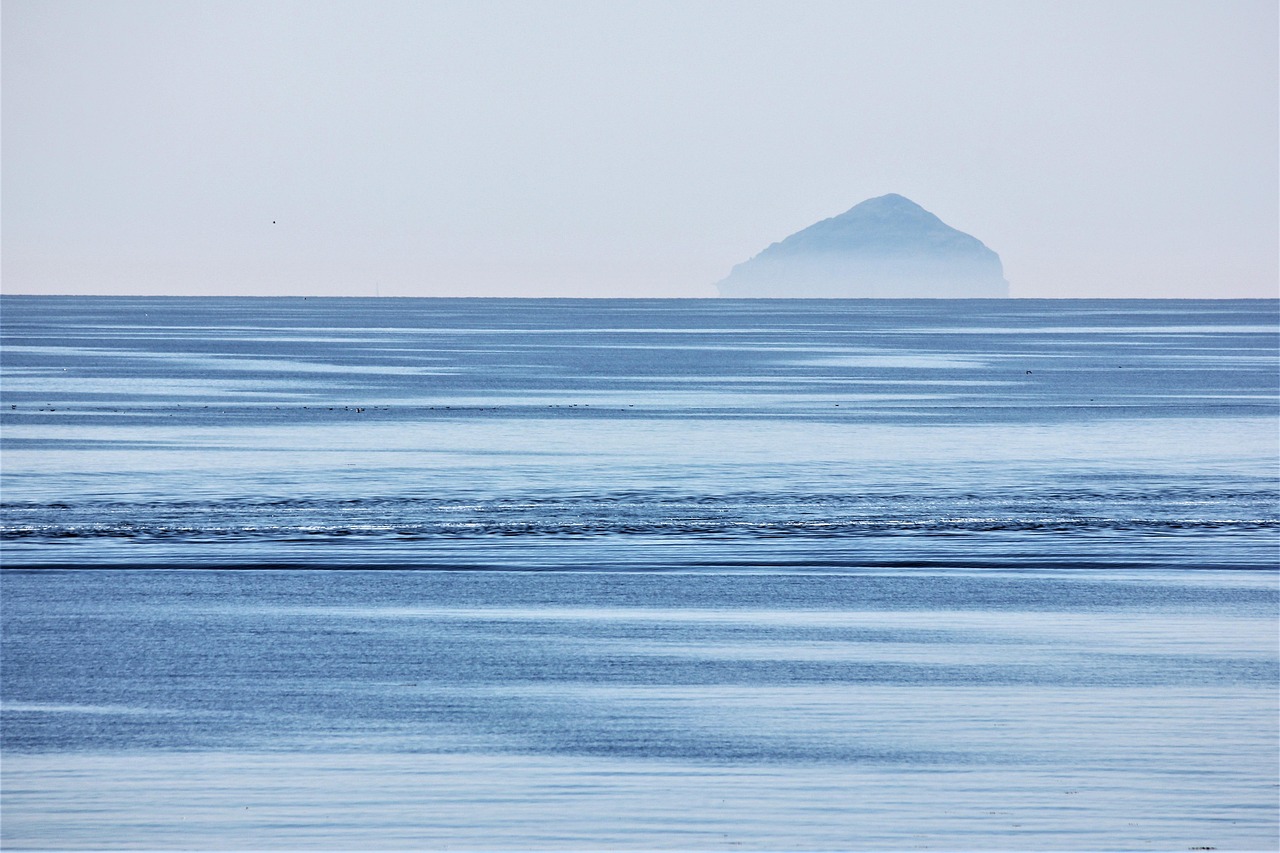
{"x": 1125, "y": 148}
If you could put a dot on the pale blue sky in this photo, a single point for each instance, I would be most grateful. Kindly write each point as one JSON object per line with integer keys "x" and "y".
{"x": 628, "y": 148}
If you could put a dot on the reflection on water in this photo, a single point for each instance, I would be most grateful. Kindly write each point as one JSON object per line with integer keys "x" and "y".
{"x": 544, "y": 709}
{"x": 638, "y": 574}
{"x": 394, "y": 800}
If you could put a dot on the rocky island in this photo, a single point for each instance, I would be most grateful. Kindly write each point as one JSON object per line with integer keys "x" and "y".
{"x": 884, "y": 248}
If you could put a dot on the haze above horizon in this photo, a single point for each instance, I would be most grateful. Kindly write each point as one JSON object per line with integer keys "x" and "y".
{"x": 628, "y": 149}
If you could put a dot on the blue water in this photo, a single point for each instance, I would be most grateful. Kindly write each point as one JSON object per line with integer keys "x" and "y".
{"x": 517, "y": 574}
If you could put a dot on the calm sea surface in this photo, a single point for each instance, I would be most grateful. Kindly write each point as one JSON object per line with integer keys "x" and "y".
{"x": 522, "y": 574}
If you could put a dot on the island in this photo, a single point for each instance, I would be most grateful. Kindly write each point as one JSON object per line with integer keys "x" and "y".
{"x": 884, "y": 248}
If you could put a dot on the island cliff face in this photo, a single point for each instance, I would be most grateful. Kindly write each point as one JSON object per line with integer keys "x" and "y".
{"x": 885, "y": 248}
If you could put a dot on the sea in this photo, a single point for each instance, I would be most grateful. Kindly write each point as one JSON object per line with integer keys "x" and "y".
{"x": 287, "y": 573}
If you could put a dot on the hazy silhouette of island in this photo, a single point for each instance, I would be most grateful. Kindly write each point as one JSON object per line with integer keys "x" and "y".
{"x": 887, "y": 247}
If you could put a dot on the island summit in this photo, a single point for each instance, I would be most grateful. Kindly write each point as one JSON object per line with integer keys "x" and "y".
{"x": 884, "y": 248}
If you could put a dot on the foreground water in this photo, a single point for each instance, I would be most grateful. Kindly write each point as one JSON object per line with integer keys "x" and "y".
{"x": 521, "y": 574}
